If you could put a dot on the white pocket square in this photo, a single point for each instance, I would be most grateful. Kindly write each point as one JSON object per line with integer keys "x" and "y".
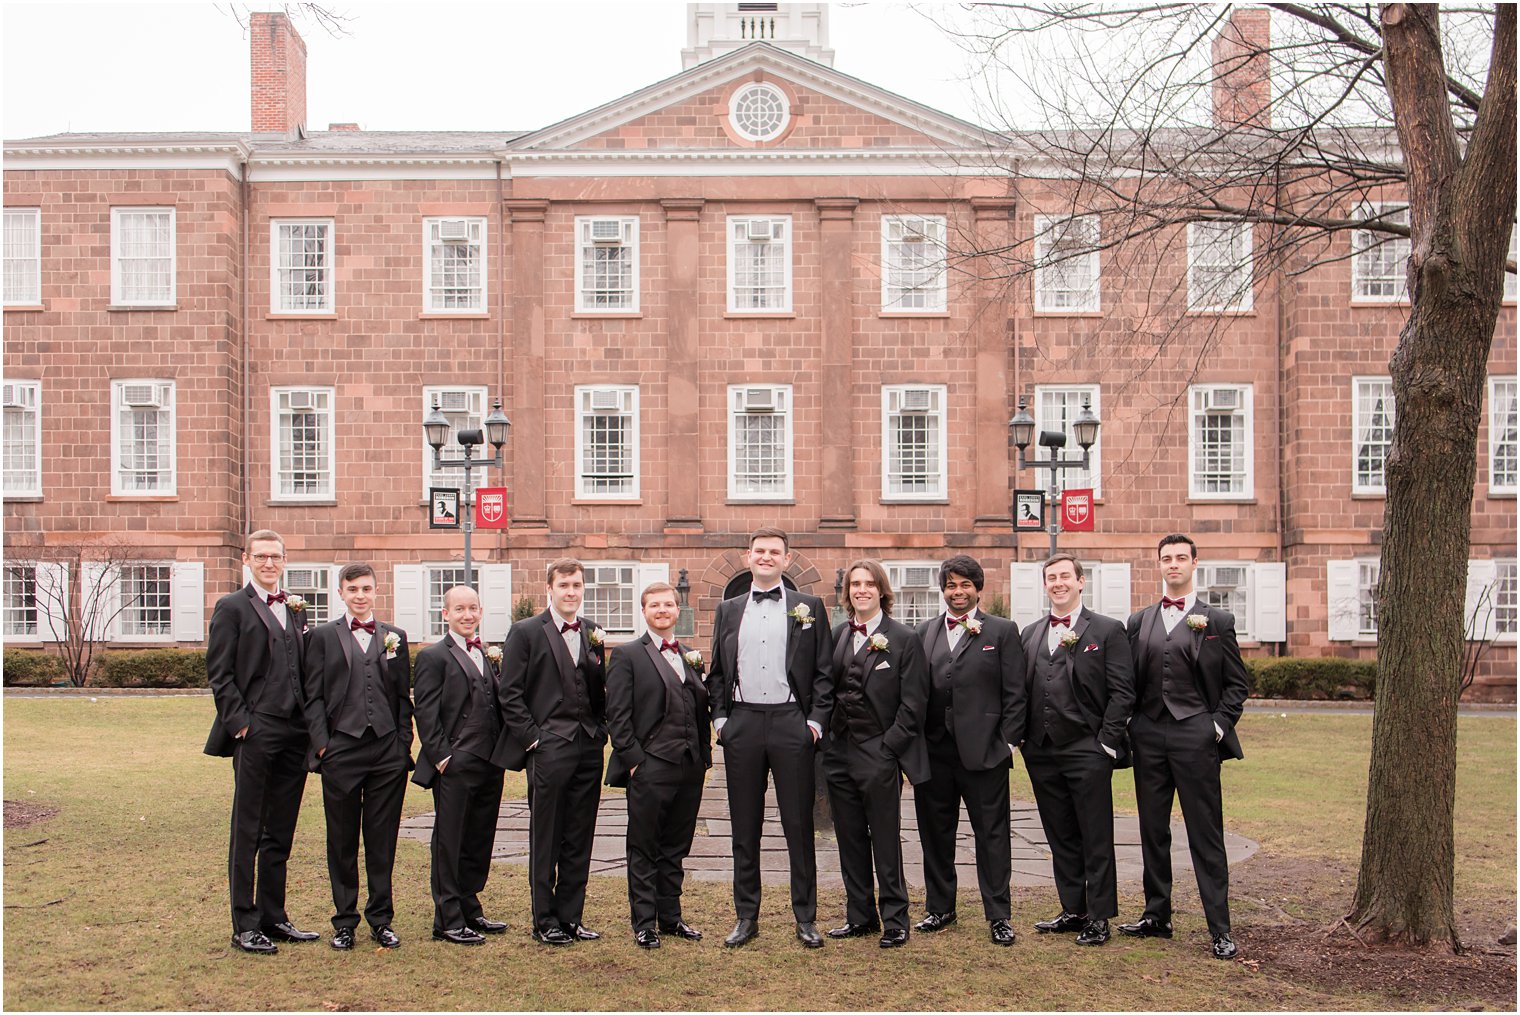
{"x": 883, "y": 666}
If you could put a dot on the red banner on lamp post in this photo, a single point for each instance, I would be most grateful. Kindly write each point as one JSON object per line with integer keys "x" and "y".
{"x": 1077, "y": 510}
{"x": 491, "y": 507}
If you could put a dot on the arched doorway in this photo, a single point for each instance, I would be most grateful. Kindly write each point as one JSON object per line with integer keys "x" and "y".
{"x": 740, "y": 583}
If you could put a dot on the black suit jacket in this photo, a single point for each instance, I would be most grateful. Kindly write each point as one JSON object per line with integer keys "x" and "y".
{"x": 240, "y": 647}
{"x": 536, "y": 674}
{"x": 1213, "y": 654}
{"x": 442, "y": 690}
{"x": 809, "y": 657}
{"x": 638, "y": 683}
{"x": 1101, "y": 671}
{"x": 326, "y": 672}
{"x": 988, "y": 702}
{"x": 897, "y": 686}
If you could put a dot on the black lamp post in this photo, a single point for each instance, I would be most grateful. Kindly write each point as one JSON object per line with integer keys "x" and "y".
{"x": 497, "y": 428}
{"x": 686, "y": 619}
{"x": 1085, "y": 427}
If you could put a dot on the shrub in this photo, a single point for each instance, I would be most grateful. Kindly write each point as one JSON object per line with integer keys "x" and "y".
{"x": 1311, "y": 678}
{"x": 996, "y": 606}
{"x": 33, "y": 668}
{"x": 523, "y": 608}
{"x": 154, "y": 667}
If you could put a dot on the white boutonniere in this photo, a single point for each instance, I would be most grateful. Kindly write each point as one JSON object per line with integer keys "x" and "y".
{"x": 392, "y": 643}
{"x": 595, "y": 637}
{"x": 878, "y": 642}
{"x": 295, "y": 603}
{"x": 802, "y": 615}
{"x": 494, "y": 654}
{"x": 694, "y": 660}
{"x": 1069, "y": 638}
{"x": 1197, "y": 621}
{"x": 973, "y": 625}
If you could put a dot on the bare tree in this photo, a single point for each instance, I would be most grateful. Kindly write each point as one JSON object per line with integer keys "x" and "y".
{"x": 331, "y": 20}
{"x": 1160, "y": 116}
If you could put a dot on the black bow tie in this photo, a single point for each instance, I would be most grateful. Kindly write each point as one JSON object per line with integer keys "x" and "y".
{"x": 761, "y": 597}
{"x": 361, "y": 625}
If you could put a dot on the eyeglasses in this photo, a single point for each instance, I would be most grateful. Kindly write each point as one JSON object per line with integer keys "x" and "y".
{"x": 267, "y": 558}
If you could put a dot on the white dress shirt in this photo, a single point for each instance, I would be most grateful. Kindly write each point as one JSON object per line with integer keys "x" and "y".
{"x": 953, "y": 635}
{"x": 859, "y": 639}
{"x": 474, "y": 653}
{"x": 1054, "y": 633}
{"x": 670, "y": 656}
{"x": 281, "y": 614}
{"x": 1171, "y": 616}
{"x": 572, "y": 639}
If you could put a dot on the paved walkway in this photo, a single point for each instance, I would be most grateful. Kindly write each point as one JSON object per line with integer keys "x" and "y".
{"x": 711, "y": 856}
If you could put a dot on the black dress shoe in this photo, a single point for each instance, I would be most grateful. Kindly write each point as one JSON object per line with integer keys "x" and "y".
{"x": 856, "y": 929}
{"x": 808, "y": 934}
{"x": 552, "y": 936}
{"x": 934, "y": 921}
{"x": 1224, "y": 947}
{"x": 343, "y": 939}
{"x": 580, "y": 933}
{"x": 681, "y": 930}
{"x": 255, "y": 942}
{"x": 1066, "y": 923}
{"x": 894, "y": 938}
{"x": 1095, "y": 933}
{"x": 743, "y": 933}
{"x": 646, "y": 939}
{"x": 1146, "y": 926}
{"x": 459, "y": 936}
{"x": 288, "y": 932}
{"x": 385, "y": 937}
{"x": 1002, "y": 932}
{"x": 481, "y": 925}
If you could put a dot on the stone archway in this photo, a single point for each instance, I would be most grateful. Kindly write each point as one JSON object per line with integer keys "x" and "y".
{"x": 728, "y": 571}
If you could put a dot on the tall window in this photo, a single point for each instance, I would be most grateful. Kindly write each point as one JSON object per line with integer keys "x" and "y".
{"x": 913, "y": 257}
{"x": 23, "y": 256}
{"x": 1219, "y": 266}
{"x": 607, "y": 441}
{"x": 607, "y": 265}
{"x": 913, "y": 442}
{"x": 142, "y": 439}
{"x": 1066, "y": 263}
{"x": 1503, "y": 459}
{"x": 147, "y": 600}
{"x": 915, "y": 583}
{"x": 454, "y": 265}
{"x": 760, "y": 263}
{"x": 465, "y": 409}
{"x": 1371, "y": 432}
{"x": 1379, "y": 260}
{"x": 611, "y": 599}
{"x": 23, "y": 438}
{"x": 1506, "y": 610}
{"x": 441, "y": 578}
{"x": 303, "y": 443}
{"x": 1219, "y": 448}
{"x": 19, "y": 609}
{"x": 313, "y": 583}
{"x": 760, "y": 442}
{"x": 301, "y": 270}
{"x": 1057, "y": 408}
{"x": 1367, "y": 573}
{"x": 142, "y": 256}
{"x": 1225, "y": 587}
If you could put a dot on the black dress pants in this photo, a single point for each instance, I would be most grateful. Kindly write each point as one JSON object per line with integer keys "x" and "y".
{"x": 774, "y": 740}
{"x": 937, "y": 803}
{"x": 466, "y": 802}
{"x": 269, "y": 778}
{"x": 865, "y": 794}
{"x": 1073, "y": 789}
{"x": 663, "y": 800}
{"x": 564, "y": 788}
{"x": 363, "y": 787}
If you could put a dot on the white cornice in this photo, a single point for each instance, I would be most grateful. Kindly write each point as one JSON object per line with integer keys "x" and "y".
{"x": 749, "y": 162}
{"x": 217, "y": 157}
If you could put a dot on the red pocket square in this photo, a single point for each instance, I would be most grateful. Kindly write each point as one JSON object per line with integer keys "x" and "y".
{"x": 1091, "y": 648}
{"x": 988, "y": 648}
{"x": 1211, "y": 637}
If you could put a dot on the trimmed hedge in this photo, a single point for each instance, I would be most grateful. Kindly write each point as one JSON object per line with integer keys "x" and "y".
{"x": 154, "y": 667}
{"x": 1316, "y": 678}
{"x": 33, "y": 668}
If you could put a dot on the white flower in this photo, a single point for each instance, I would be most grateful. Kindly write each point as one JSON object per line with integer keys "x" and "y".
{"x": 694, "y": 660}
{"x": 392, "y": 643}
{"x": 1197, "y": 621}
{"x": 295, "y": 603}
{"x": 1069, "y": 638}
{"x": 595, "y": 637}
{"x": 494, "y": 653}
{"x": 801, "y": 614}
{"x": 973, "y": 625}
{"x": 878, "y": 642}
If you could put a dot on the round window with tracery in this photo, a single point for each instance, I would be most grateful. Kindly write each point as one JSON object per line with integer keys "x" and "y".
{"x": 759, "y": 112}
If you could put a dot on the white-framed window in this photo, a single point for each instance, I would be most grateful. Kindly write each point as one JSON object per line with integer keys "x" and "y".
{"x": 611, "y": 598}
{"x": 142, "y": 256}
{"x": 1506, "y": 604}
{"x": 315, "y": 583}
{"x": 1056, "y": 407}
{"x": 143, "y": 445}
{"x": 23, "y": 257}
{"x": 1225, "y": 585}
{"x": 759, "y": 263}
{"x": 607, "y": 264}
{"x": 1372, "y": 416}
{"x": 1351, "y": 594}
{"x": 147, "y": 601}
{"x": 913, "y": 442}
{"x": 18, "y": 609}
{"x": 759, "y": 111}
{"x": 454, "y": 265}
{"x": 1219, "y": 441}
{"x": 441, "y": 578}
{"x": 1066, "y": 268}
{"x": 22, "y": 468}
{"x": 1379, "y": 260}
{"x": 1220, "y": 269}
{"x": 35, "y": 601}
{"x": 419, "y": 590}
{"x": 1509, "y": 276}
{"x": 1503, "y": 450}
{"x": 464, "y": 406}
{"x": 143, "y": 601}
{"x": 607, "y": 441}
{"x": 760, "y": 441}
{"x": 1106, "y": 590}
{"x": 915, "y": 584}
{"x": 302, "y": 440}
{"x": 301, "y": 266}
{"x": 913, "y": 263}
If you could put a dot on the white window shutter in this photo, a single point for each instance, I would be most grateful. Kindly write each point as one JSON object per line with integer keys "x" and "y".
{"x": 1114, "y": 590}
{"x": 189, "y": 599}
{"x": 52, "y": 601}
{"x": 1340, "y": 593}
{"x": 411, "y": 601}
{"x": 495, "y": 601}
{"x": 99, "y": 596}
{"x": 1269, "y": 601}
{"x": 1026, "y": 594}
{"x": 1481, "y": 576}
{"x": 644, "y": 576}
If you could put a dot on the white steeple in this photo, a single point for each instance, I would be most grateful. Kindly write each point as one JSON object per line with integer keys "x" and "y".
{"x": 715, "y": 29}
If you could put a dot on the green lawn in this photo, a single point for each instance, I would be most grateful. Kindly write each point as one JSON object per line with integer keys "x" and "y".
{"x": 137, "y": 854}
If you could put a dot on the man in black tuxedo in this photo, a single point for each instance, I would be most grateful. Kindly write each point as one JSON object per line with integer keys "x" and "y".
{"x": 881, "y": 689}
{"x": 464, "y": 754}
{"x": 253, "y": 666}
{"x": 1191, "y": 685}
{"x": 359, "y": 715}
{"x": 772, "y": 690}
{"x": 554, "y": 700}
{"x": 658, "y": 716}
{"x": 974, "y": 722}
{"x": 1081, "y": 687}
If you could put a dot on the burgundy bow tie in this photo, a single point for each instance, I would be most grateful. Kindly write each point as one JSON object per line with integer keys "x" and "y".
{"x": 859, "y": 629}
{"x": 1056, "y": 621}
{"x": 950, "y": 621}
{"x": 361, "y": 625}
{"x": 1179, "y": 603}
{"x": 471, "y": 643}
{"x": 670, "y": 646}
{"x": 572, "y": 626}
{"x": 276, "y": 597}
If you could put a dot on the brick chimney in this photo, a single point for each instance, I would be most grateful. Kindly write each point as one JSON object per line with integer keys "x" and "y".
{"x": 279, "y": 75}
{"x": 1242, "y": 82}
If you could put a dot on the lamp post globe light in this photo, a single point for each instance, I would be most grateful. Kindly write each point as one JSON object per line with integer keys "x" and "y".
{"x": 497, "y": 428}
{"x": 1022, "y": 429}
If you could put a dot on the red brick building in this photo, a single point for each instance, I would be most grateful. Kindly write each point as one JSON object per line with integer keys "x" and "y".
{"x": 747, "y": 294}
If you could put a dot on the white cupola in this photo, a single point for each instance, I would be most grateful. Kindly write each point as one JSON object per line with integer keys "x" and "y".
{"x": 715, "y": 29}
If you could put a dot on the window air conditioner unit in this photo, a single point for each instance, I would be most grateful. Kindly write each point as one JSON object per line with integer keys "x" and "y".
{"x": 454, "y": 230}
{"x": 759, "y": 400}
{"x": 300, "y": 578}
{"x": 454, "y": 401}
{"x": 608, "y": 231}
{"x": 10, "y": 395}
{"x": 1226, "y": 577}
{"x": 1222, "y": 398}
{"x": 919, "y": 576}
{"x": 299, "y": 400}
{"x": 606, "y": 400}
{"x": 760, "y": 230}
{"x": 141, "y": 396}
{"x": 605, "y": 575}
{"x": 912, "y": 231}
{"x": 917, "y": 400}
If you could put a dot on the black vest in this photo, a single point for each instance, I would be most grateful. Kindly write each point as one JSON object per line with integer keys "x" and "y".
{"x": 675, "y": 737}
{"x": 1168, "y": 679}
{"x": 369, "y": 701}
{"x": 853, "y": 715}
{"x": 1055, "y": 718}
{"x": 481, "y": 723}
{"x": 937, "y": 722}
{"x": 283, "y": 680}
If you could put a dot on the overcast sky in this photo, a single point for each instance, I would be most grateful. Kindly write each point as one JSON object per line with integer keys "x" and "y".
{"x": 420, "y": 66}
